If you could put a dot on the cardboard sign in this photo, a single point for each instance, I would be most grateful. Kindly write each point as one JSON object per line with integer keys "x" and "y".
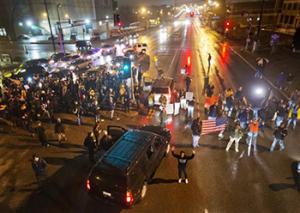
{"x": 189, "y": 96}
{"x": 170, "y": 109}
{"x": 176, "y": 108}
{"x": 182, "y": 71}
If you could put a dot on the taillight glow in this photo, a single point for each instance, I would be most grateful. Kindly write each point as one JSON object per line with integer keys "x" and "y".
{"x": 189, "y": 60}
{"x": 129, "y": 198}
{"x": 88, "y": 186}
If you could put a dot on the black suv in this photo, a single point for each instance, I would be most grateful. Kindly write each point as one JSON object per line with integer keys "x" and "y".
{"x": 122, "y": 174}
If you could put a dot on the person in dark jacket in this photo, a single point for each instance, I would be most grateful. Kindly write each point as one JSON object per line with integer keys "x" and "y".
{"x": 188, "y": 82}
{"x": 196, "y": 131}
{"x": 90, "y": 143}
{"x": 39, "y": 166}
{"x": 40, "y": 130}
{"x": 106, "y": 141}
{"x": 279, "y": 134}
{"x": 182, "y": 162}
{"x": 59, "y": 129}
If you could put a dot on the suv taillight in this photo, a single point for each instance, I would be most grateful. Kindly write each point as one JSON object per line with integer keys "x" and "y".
{"x": 129, "y": 199}
{"x": 88, "y": 185}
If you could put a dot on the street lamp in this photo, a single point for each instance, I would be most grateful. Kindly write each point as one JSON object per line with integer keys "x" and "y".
{"x": 20, "y": 24}
{"x": 87, "y": 21}
{"x": 61, "y": 35}
{"x": 28, "y": 23}
{"x": 143, "y": 10}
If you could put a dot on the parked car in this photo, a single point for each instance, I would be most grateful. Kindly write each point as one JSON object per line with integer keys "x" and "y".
{"x": 108, "y": 49}
{"x": 163, "y": 86}
{"x": 124, "y": 171}
{"x": 23, "y": 37}
{"x": 83, "y": 45}
{"x": 80, "y": 64}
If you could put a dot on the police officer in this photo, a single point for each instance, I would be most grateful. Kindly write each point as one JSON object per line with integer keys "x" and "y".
{"x": 39, "y": 168}
{"x": 182, "y": 162}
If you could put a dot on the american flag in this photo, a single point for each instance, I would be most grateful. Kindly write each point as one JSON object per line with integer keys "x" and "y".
{"x": 213, "y": 125}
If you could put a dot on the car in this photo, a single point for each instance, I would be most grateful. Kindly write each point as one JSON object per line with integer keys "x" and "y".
{"x": 163, "y": 86}
{"x": 83, "y": 45}
{"x": 80, "y": 64}
{"x": 140, "y": 47}
{"x": 93, "y": 53}
{"x": 23, "y": 37}
{"x": 121, "y": 175}
{"x": 57, "y": 56}
{"x": 63, "y": 62}
{"x": 27, "y": 74}
{"x": 108, "y": 49}
{"x": 50, "y": 38}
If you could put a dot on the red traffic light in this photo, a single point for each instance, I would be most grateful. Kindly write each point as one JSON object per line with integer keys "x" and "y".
{"x": 227, "y": 23}
{"x": 119, "y": 24}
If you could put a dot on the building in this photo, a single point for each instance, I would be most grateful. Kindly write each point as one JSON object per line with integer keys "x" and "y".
{"x": 76, "y": 16}
{"x": 244, "y": 11}
{"x": 289, "y": 19}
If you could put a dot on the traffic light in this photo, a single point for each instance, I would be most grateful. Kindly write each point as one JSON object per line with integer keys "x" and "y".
{"x": 227, "y": 25}
{"x": 117, "y": 20}
{"x": 126, "y": 69}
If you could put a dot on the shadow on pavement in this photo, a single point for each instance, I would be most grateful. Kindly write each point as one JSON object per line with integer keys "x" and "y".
{"x": 211, "y": 146}
{"x": 56, "y": 160}
{"x": 65, "y": 190}
{"x": 281, "y": 186}
{"x": 161, "y": 180}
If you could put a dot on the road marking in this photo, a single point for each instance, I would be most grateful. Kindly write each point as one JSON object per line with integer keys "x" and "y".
{"x": 205, "y": 211}
{"x": 254, "y": 70}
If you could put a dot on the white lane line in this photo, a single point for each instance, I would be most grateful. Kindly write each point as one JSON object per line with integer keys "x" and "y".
{"x": 205, "y": 211}
{"x": 254, "y": 70}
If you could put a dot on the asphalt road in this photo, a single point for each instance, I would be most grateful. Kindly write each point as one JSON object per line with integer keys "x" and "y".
{"x": 218, "y": 181}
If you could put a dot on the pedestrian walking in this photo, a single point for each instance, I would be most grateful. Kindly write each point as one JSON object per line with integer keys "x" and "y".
{"x": 298, "y": 177}
{"x": 279, "y": 134}
{"x": 248, "y": 40}
{"x": 188, "y": 82}
{"x": 191, "y": 107}
{"x": 90, "y": 143}
{"x": 252, "y": 135}
{"x": 182, "y": 159}
{"x": 293, "y": 116}
{"x": 209, "y": 63}
{"x": 59, "y": 130}
{"x": 196, "y": 131}
{"x": 235, "y": 136}
{"x": 40, "y": 131}
{"x": 39, "y": 166}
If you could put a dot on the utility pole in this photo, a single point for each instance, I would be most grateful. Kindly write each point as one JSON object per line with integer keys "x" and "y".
{"x": 49, "y": 23}
{"x": 260, "y": 19}
{"x": 60, "y": 30}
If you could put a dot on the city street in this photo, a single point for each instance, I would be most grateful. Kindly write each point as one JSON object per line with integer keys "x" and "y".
{"x": 219, "y": 181}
